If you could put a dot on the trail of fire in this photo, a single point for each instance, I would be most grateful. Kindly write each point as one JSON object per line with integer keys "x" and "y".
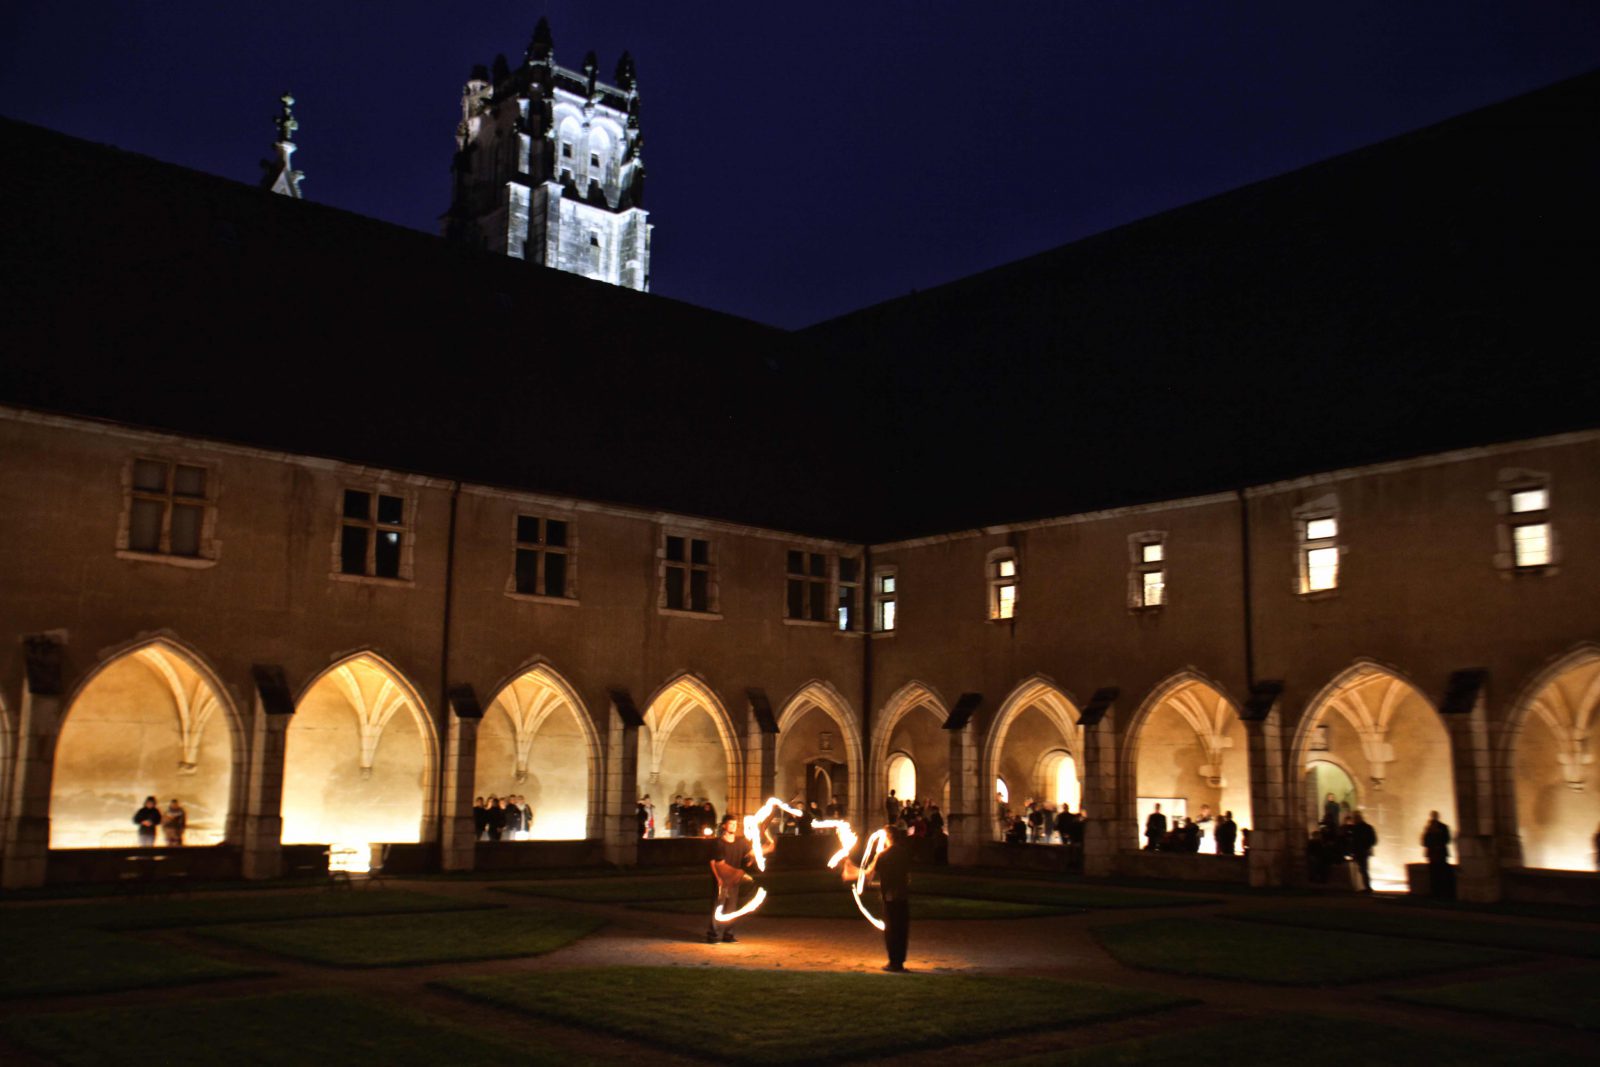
{"x": 753, "y": 830}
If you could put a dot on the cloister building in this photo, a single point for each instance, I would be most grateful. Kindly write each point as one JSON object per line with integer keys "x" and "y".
{"x": 328, "y": 527}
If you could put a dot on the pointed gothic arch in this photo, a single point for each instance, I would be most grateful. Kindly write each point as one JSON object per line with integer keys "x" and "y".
{"x": 1548, "y": 771}
{"x": 690, "y": 767}
{"x": 152, "y": 717}
{"x": 361, "y": 757}
{"x": 819, "y": 700}
{"x": 1391, "y": 738}
{"x": 1055, "y": 711}
{"x": 932, "y": 766}
{"x": 1186, "y": 741}
{"x": 563, "y": 775}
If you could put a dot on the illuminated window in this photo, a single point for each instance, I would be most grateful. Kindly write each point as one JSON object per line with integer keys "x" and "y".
{"x": 686, "y": 574}
{"x": 167, "y": 505}
{"x": 1149, "y": 578}
{"x": 883, "y": 600}
{"x": 849, "y": 592}
{"x": 542, "y": 563}
{"x": 1531, "y": 546}
{"x": 373, "y": 535}
{"x": 1319, "y": 554}
{"x": 1003, "y": 584}
{"x": 808, "y": 586}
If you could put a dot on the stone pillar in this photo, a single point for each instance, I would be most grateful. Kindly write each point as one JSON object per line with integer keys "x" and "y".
{"x": 964, "y": 821}
{"x": 458, "y": 839}
{"x": 1268, "y": 858}
{"x": 1109, "y": 827}
{"x": 269, "y": 736}
{"x": 621, "y": 824}
{"x": 1466, "y": 720}
{"x": 760, "y": 765}
{"x": 27, "y": 844}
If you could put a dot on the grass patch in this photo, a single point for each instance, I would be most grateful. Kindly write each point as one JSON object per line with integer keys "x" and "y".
{"x": 160, "y": 914}
{"x": 1555, "y": 939}
{"x": 839, "y": 904}
{"x": 694, "y": 886}
{"x": 1064, "y": 896}
{"x": 804, "y": 1016}
{"x": 1569, "y": 998}
{"x": 400, "y": 940}
{"x": 1304, "y": 1040}
{"x": 1576, "y": 913}
{"x": 287, "y": 1029}
{"x": 1253, "y": 952}
{"x": 44, "y": 960}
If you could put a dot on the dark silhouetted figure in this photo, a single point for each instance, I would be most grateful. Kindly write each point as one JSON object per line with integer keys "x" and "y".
{"x": 1436, "y": 846}
{"x": 1155, "y": 828}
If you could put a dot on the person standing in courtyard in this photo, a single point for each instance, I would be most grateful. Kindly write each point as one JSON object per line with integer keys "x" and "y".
{"x": 1155, "y": 828}
{"x": 1363, "y": 839}
{"x": 173, "y": 823}
{"x": 1227, "y": 834}
{"x": 147, "y": 819}
{"x": 730, "y": 852}
{"x": 1436, "y": 846}
{"x": 1332, "y": 813}
{"x": 892, "y": 867}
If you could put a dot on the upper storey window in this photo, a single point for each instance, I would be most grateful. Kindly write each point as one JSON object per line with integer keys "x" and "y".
{"x": 1149, "y": 579}
{"x": 848, "y": 593}
{"x": 167, "y": 507}
{"x": 807, "y": 586}
{"x": 1527, "y": 538}
{"x": 687, "y": 574}
{"x": 374, "y": 535}
{"x": 542, "y": 562}
{"x": 1319, "y": 554}
{"x": 884, "y": 599}
{"x": 1003, "y": 577}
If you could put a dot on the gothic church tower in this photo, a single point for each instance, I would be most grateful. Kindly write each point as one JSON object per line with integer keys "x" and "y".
{"x": 549, "y": 167}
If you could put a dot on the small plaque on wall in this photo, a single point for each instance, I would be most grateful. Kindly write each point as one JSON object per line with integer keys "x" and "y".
{"x": 825, "y": 741}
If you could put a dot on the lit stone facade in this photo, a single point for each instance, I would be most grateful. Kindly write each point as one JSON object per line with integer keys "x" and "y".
{"x": 292, "y": 689}
{"x": 549, "y": 167}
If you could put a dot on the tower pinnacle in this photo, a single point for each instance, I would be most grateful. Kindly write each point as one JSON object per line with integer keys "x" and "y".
{"x": 281, "y": 177}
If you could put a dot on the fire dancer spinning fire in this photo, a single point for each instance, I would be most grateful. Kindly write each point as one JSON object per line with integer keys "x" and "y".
{"x": 730, "y": 854}
{"x": 892, "y": 865}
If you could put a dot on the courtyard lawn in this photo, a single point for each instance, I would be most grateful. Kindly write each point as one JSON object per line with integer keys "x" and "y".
{"x": 400, "y": 940}
{"x": 838, "y": 903}
{"x": 1063, "y": 896}
{"x": 1568, "y": 998}
{"x": 630, "y": 890}
{"x": 1304, "y": 1040}
{"x": 1253, "y": 952}
{"x": 770, "y": 1017}
{"x": 42, "y": 959}
{"x": 1408, "y": 923}
{"x": 151, "y": 914}
{"x": 287, "y": 1029}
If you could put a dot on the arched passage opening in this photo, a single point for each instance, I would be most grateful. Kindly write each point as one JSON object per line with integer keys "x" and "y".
{"x": 1555, "y": 776}
{"x": 153, "y": 721}
{"x": 687, "y": 748}
{"x": 819, "y": 750}
{"x": 1389, "y": 743}
{"x": 1035, "y": 747}
{"x": 360, "y": 761}
{"x": 536, "y": 744}
{"x": 911, "y": 726}
{"x": 1191, "y": 757}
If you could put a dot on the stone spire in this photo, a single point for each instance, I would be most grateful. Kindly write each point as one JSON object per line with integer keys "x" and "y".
{"x": 281, "y": 177}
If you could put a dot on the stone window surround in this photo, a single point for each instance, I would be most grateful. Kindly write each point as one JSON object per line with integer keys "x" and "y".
{"x": 994, "y": 581}
{"x": 408, "y": 535}
{"x": 1515, "y": 480}
{"x": 570, "y": 550}
{"x": 210, "y": 546}
{"x": 878, "y": 598}
{"x": 713, "y": 586}
{"x": 1139, "y": 568}
{"x": 1323, "y": 507}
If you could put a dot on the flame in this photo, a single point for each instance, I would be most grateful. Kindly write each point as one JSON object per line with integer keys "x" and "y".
{"x": 751, "y": 905}
{"x": 868, "y": 854}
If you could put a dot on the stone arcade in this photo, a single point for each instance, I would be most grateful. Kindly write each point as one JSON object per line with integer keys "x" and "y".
{"x": 326, "y": 606}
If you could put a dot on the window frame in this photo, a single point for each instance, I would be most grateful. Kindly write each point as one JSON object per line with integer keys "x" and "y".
{"x": 405, "y": 529}
{"x": 1310, "y": 547}
{"x": 1513, "y": 484}
{"x": 568, "y": 550}
{"x": 882, "y": 598}
{"x": 998, "y": 581}
{"x": 169, "y": 499}
{"x": 1141, "y": 568}
{"x": 690, "y": 567}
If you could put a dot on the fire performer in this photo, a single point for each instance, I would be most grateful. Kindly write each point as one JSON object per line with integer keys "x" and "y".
{"x": 892, "y": 865}
{"x": 730, "y": 854}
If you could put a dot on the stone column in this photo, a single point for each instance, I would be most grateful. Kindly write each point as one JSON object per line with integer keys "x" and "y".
{"x": 458, "y": 840}
{"x": 760, "y": 765}
{"x": 1268, "y": 858}
{"x": 621, "y": 824}
{"x": 27, "y": 844}
{"x": 1466, "y": 720}
{"x": 964, "y": 820}
{"x": 269, "y": 736}
{"x": 1110, "y": 823}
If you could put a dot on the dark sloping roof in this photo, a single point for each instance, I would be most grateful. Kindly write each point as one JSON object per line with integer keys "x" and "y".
{"x": 149, "y": 294}
{"x": 1432, "y": 291}
{"x": 1426, "y": 293}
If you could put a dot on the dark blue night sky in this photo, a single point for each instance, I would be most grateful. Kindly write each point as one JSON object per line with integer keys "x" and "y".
{"x": 804, "y": 160}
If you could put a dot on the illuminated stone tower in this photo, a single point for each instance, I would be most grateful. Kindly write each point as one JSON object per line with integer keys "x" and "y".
{"x": 549, "y": 167}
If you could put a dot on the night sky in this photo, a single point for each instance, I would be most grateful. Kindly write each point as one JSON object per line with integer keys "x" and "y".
{"x": 803, "y": 160}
